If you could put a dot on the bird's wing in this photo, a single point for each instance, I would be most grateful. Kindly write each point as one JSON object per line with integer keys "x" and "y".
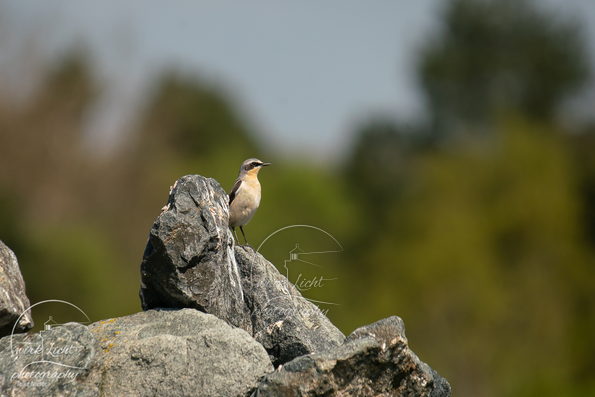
{"x": 234, "y": 190}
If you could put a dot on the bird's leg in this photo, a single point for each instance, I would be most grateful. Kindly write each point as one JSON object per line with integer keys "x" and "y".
{"x": 245, "y": 239}
{"x": 234, "y": 232}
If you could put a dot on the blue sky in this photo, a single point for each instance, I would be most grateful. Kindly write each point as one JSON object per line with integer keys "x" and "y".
{"x": 303, "y": 73}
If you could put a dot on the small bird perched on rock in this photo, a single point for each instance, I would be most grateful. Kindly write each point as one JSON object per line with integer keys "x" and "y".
{"x": 244, "y": 197}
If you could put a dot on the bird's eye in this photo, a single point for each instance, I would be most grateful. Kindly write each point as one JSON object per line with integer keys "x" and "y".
{"x": 254, "y": 164}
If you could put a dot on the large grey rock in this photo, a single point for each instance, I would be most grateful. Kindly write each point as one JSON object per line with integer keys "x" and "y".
{"x": 13, "y": 300}
{"x": 284, "y": 322}
{"x": 178, "y": 353}
{"x": 64, "y": 360}
{"x": 375, "y": 360}
{"x": 154, "y": 353}
{"x": 189, "y": 260}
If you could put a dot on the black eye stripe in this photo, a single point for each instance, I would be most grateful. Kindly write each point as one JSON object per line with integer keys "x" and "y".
{"x": 252, "y": 165}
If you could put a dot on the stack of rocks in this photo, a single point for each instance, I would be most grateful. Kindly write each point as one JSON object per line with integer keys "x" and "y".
{"x": 218, "y": 320}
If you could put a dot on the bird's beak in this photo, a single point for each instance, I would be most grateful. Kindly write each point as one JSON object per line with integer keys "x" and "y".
{"x": 264, "y": 164}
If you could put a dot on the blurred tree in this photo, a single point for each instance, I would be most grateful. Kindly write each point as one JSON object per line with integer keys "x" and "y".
{"x": 378, "y": 173}
{"x": 482, "y": 245}
{"x": 186, "y": 127}
{"x": 41, "y": 142}
{"x": 583, "y": 145}
{"x": 194, "y": 121}
{"x": 486, "y": 262}
{"x": 378, "y": 165}
{"x": 493, "y": 55}
{"x": 47, "y": 187}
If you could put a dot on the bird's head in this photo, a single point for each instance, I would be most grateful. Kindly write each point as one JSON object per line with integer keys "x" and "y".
{"x": 251, "y": 167}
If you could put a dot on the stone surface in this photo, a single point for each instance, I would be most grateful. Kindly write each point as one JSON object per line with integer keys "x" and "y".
{"x": 189, "y": 260}
{"x": 375, "y": 360}
{"x": 13, "y": 300}
{"x": 227, "y": 317}
{"x": 178, "y": 353}
{"x": 154, "y": 353}
{"x": 64, "y": 360}
{"x": 284, "y": 322}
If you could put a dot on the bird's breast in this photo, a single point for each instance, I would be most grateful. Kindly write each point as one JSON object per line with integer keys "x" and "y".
{"x": 245, "y": 203}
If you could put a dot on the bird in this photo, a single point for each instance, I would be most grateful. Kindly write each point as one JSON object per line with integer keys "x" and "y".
{"x": 244, "y": 197}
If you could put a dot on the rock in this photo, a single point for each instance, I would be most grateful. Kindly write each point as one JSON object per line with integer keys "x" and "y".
{"x": 375, "y": 360}
{"x": 178, "y": 353}
{"x": 158, "y": 352}
{"x": 13, "y": 301}
{"x": 189, "y": 261}
{"x": 64, "y": 360}
{"x": 284, "y": 322}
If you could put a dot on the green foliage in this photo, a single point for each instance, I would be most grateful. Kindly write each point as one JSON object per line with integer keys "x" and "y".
{"x": 378, "y": 166}
{"x": 483, "y": 243}
{"x": 500, "y": 54}
{"x": 582, "y": 145}
{"x": 76, "y": 263}
{"x": 491, "y": 251}
{"x": 191, "y": 123}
